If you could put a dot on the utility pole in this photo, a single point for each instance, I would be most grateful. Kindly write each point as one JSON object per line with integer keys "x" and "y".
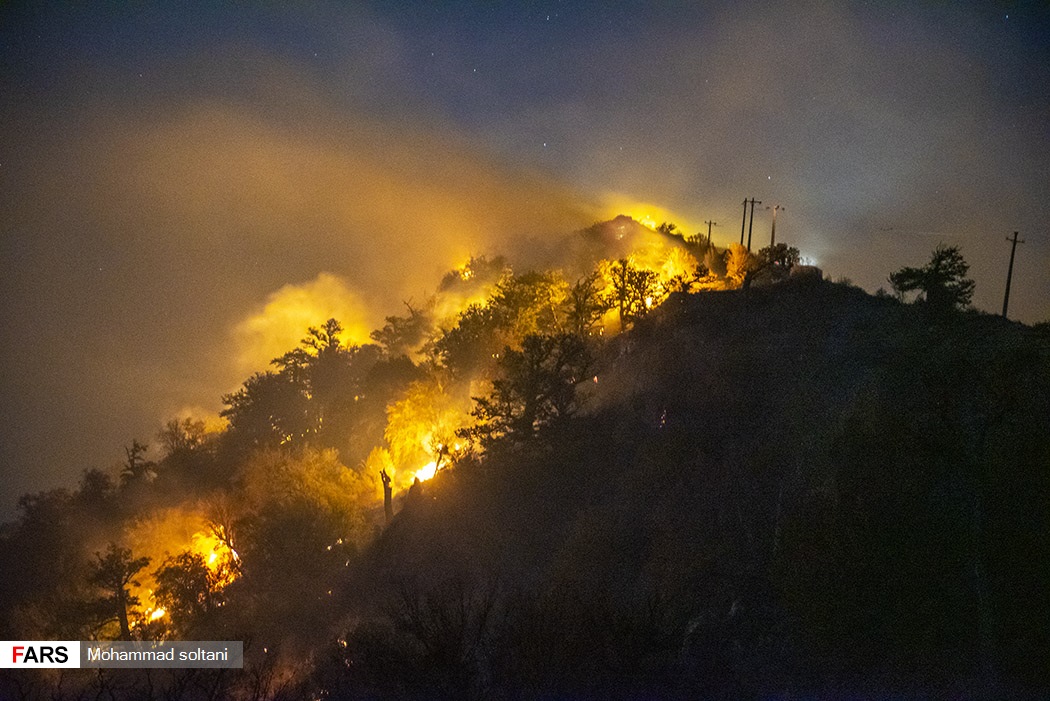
{"x": 709, "y": 225}
{"x": 1010, "y": 271}
{"x": 773, "y": 236}
{"x": 742, "y": 222}
{"x": 751, "y": 222}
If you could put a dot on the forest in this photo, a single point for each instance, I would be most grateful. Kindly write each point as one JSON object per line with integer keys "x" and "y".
{"x": 647, "y": 468}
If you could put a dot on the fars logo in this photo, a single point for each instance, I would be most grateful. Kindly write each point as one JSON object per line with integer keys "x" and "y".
{"x": 19, "y": 654}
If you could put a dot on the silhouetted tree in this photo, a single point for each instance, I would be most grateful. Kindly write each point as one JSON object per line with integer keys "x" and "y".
{"x": 137, "y": 468}
{"x": 388, "y": 507}
{"x": 269, "y": 410}
{"x": 403, "y": 335}
{"x": 96, "y": 488}
{"x": 181, "y": 437}
{"x": 529, "y": 303}
{"x": 586, "y": 305}
{"x": 185, "y": 588}
{"x": 536, "y": 386}
{"x": 114, "y": 572}
{"x": 772, "y": 263}
{"x": 942, "y": 283}
{"x": 468, "y": 345}
{"x": 633, "y": 290}
{"x": 668, "y": 229}
{"x": 780, "y": 256}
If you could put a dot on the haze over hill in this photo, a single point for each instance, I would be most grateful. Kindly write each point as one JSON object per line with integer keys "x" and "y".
{"x": 179, "y": 177}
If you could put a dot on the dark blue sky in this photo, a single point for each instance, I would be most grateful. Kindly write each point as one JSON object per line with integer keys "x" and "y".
{"x": 168, "y": 168}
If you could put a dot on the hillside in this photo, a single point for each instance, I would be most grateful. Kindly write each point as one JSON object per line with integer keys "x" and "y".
{"x": 797, "y": 488}
{"x": 617, "y": 485}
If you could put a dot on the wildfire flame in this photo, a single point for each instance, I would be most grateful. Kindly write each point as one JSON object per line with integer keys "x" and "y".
{"x": 219, "y": 558}
{"x": 427, "y": 471}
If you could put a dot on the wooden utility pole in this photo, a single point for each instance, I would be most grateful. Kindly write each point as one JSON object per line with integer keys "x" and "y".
{"x": 742, "y": 222}
{"x": 773, "y": 236}
{"x": 1010, "y": 271}
{"x": 751, "y": 222}
{"x": 709, "y": 225}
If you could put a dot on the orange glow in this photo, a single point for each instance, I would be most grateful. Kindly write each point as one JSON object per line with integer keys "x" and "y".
{"x": 218, "y": 557}
{"x": 168, "y": 532}
{"x": 677, "y": 262}
{"x": 645, "y": 213}
{"x": 422, "y": 425}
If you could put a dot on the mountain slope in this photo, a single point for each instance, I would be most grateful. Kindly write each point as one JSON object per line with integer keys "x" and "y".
{"x": 796, "y": 487}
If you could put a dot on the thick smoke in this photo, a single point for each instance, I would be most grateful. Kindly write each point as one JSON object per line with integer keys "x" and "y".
{"x": 164, "y": 259}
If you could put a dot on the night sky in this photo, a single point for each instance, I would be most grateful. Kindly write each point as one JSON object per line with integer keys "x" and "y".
{"x": 186, "y": 186}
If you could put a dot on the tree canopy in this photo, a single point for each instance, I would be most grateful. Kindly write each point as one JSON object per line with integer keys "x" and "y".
{"x": 942, "y": 283}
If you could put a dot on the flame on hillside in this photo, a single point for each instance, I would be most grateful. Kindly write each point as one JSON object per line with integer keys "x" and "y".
{"x": 220, "y": 559}
{"x": 647, "y": 214}
{"x": 168, "y": 533}
{"x": 424, "y": 422}
{"x": 427, "y": 471}
{"x": 421, "y": 428}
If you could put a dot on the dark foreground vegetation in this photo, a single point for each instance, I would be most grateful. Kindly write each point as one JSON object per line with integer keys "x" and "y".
{"x": 787, "y": 491}
{"x": 800, "y": 488}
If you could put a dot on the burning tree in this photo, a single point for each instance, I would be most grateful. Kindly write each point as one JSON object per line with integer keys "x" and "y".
{"x": 634, "y": 290}
{"x": 423, "y": 423}
{"x": 186, "y": 588}
{"x": 741, "y": 265}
